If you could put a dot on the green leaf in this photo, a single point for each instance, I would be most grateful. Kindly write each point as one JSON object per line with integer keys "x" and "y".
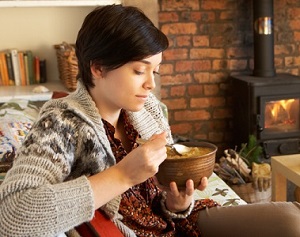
{"x": 251, "y": 151}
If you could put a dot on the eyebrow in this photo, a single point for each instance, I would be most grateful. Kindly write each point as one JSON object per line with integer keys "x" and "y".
{"x": 144, "y": 61}
{"x": 147, "y": 62}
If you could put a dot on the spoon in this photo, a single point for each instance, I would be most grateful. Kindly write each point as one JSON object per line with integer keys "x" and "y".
{"x": 179, "y": 149}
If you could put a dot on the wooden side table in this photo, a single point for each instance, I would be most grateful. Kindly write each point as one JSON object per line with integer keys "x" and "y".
{"x": 284, "y": 168}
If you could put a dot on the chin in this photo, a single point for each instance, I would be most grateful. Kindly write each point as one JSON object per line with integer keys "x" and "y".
{"x": 135, "y": 108}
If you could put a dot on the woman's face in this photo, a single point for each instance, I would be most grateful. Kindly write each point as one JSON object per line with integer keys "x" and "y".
{"x": 128, "y": 86}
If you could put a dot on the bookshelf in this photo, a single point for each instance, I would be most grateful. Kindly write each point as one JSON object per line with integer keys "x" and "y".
{"x": 26, "y": 92}
{"x": 38, "y": 26}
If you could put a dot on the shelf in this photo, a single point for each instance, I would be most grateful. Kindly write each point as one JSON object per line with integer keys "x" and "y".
{"x": 26, "y": 92}
{"x": 55, "y": 3}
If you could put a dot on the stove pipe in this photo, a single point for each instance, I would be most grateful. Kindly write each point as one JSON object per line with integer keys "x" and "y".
{"x": 263, "y": 38}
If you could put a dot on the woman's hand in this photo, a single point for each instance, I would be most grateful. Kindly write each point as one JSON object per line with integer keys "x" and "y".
{"x": 203, "y": 184}
{"x": 139, "y": 165}
{"x": 143, "y": 162}
{"x": 180, "y": 200}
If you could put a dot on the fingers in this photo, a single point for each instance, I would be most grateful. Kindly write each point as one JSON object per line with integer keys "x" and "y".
{"x": 255, "y": 183}
{"x": 189, "y": 190}
{"x": 174, "y": 189}
{"x": 260, "y": 182}
{"x": 179, "y": 200}
{"x": 161, "y": 137}
{"x": 203, "y": 184}
{"x": 266, "y": 183}
{"x": 155, "y": 142}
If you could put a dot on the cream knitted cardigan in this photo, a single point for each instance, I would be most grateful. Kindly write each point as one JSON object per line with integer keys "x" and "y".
{"x": 47, "y": 192}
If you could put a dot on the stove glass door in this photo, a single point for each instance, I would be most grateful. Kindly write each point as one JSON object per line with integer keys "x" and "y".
{"x": 281, "y": 117}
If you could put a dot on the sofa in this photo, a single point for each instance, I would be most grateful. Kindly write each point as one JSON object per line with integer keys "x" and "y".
{"x": 16, "y": 119}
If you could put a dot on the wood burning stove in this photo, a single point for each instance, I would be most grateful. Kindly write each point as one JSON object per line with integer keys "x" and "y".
{"x": 265, "y": 104}
{"x": 268, "y": 108}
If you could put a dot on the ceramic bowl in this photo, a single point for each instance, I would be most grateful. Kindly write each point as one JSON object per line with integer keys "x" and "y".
{"x": 182, "y": 168}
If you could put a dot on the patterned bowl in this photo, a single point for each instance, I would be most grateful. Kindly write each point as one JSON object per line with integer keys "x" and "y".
{"x": 180, "y": 169}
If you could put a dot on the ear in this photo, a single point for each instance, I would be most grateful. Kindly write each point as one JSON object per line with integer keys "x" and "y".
{"x": 96, "y": 71}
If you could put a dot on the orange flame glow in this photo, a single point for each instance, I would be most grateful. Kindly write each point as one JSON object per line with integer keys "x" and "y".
{"x": 279, "y": 105}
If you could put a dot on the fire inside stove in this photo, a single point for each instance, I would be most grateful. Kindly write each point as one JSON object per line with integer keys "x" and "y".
{"x": 282, "y": 116}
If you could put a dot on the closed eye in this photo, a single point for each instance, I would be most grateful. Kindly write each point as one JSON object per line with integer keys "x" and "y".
{"x": 138, "y": 72}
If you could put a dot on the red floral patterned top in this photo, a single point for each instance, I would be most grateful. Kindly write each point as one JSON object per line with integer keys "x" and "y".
{"x": 140, "y": 204}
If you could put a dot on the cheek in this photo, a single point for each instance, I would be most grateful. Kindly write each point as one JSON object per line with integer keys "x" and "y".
{"x": 123, "y": 80}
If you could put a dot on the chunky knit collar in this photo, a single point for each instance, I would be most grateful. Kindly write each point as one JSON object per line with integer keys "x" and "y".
{"x": 148, "y": 121}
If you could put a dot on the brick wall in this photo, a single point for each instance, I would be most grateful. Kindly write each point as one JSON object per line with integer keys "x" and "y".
{"x": 209, "y": 40}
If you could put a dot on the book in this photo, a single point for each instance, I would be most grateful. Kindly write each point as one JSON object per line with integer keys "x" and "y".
{"x": 26, "y": 68}
{"x": 3, "y": 68}
{"x": 1, "y": 80}
{"x": 30, "y": 67}
{"x": 43, "y": 71}
{"x": 10, "y": 69}
{"x": 15, "y": 64}
{"x": 22, "y": 68}
{"x": 37, "y": 69}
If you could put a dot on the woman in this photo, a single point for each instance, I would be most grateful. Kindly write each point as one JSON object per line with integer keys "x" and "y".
{"x": 82, "y": 156}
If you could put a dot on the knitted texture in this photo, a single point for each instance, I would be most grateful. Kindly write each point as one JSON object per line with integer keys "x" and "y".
{"x": 46, "y": 192}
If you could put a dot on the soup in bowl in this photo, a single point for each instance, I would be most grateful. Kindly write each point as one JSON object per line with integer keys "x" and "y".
{"x": 197, "y": 163}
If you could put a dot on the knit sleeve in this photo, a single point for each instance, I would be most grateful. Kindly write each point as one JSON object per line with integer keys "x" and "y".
{"x": 35, "y": 198}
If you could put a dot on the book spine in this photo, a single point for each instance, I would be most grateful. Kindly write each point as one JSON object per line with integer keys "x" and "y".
{"x": 5, "y": 80}
{"x": 1, "y": 83}
{"x": 15, "y": 63}
{"x": 26, "y": 68}
{"x": 10, "y": 69}
{"x": 43, "y": 71}
{"x": 30, "y": 67}
{"x": 37, "y": 69}
{"x": 1, "y": 75}
{"x": 22, "y": 68}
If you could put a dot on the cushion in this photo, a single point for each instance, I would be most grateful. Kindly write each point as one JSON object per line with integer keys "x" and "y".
{"x": 220, "y": 192}
{"x": 16, "y": 119}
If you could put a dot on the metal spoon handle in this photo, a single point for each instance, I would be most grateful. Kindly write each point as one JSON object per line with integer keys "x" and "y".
{"x": 142, "y": 141}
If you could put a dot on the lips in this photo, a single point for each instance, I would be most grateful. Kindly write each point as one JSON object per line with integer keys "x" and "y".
{"x": 142, "y": 96}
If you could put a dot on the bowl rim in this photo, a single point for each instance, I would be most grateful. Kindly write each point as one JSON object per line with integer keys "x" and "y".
{"x": 206, "y": 144}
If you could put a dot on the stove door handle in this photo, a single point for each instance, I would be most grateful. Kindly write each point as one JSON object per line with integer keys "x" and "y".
{"x": 259, "y": 125}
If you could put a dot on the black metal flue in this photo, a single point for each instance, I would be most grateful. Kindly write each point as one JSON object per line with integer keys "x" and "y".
{"x": 263, "y": 38}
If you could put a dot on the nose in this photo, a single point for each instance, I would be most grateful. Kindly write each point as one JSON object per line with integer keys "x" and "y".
{"x": 150, "y": 82}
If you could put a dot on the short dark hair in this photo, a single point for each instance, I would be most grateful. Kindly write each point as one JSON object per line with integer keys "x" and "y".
{"x": 114, "y": 35}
